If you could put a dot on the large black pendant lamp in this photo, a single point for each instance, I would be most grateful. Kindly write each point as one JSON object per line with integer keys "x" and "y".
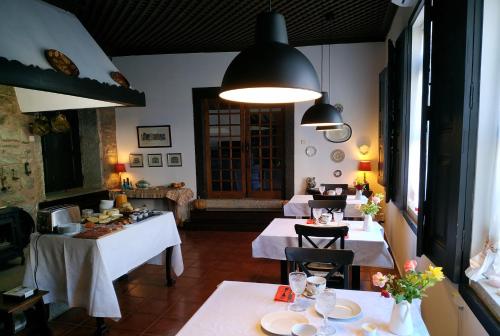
{"x": 270, "y": 71}
{"x": 322, "y": 114}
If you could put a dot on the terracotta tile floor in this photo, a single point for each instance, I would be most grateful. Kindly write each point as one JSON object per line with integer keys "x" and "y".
{"x": 150, "y": 308}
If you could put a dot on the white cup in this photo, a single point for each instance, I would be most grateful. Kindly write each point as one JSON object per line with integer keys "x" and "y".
{"x": 338, "y": 191}
{"x": 330, "y": 192}
{"x": 325, "y": 218}
{"x": 315, "y": 285}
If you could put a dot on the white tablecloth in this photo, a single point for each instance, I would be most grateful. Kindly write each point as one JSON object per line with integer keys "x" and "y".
{"x": 236, "y": 308}
{"x": 298, "y": 206}
{"x": 370, "y": 248}
{"x": 80, "y": 272}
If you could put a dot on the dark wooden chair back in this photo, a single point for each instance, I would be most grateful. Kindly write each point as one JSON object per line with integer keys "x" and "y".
{"x": 340, "y": 260}
{"x": 332, "y": 186}
{"x": 330, "y": 205}
{"x": 330, "y": 197}
{"x": 308, "y": 231}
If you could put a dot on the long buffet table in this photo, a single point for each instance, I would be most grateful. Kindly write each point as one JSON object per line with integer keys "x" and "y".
{"x": 80, "y": 272}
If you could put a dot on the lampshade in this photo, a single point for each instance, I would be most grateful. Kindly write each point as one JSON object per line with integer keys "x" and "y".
{"x": 329, "y": 128}
{"x": 270, "y": 71}
{"x": 120, "y": 168}
{"x": 322, "y": 113}
{"x": 365, "y": 166}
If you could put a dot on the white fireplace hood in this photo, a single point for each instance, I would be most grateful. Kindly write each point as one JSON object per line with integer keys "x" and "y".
{"x": 27, "y": 29}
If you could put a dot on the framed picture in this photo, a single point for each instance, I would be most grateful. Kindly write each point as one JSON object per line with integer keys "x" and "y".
{"x": 136, "y": 160}
{"x": 154, "y": 136}
{"x": 174, "y": 159}
{"x": 155, "y": 160}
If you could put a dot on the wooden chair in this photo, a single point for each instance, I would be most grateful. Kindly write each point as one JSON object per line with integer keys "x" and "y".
{"x": 339, "y": 260}
{"x": 334, "y": 233}
{"x": 330, "y": 205}
{"x": 330, "y": 197}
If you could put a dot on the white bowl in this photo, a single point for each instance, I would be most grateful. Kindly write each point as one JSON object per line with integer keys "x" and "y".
{"x": 304, "y": 329}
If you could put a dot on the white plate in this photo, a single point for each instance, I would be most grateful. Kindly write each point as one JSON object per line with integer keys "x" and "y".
{"x": 281, "y": 322}
{"x": 344, "y": 309}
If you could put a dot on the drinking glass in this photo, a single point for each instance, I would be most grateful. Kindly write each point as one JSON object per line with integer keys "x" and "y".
{"x": 338, "y": 216}
{"x": 297, "y": 281}
{"x": 338, "y": 191}
{"x": 321, "y": 189}
{"x": 325, "y": 304}
{"x": 317, "y": 214}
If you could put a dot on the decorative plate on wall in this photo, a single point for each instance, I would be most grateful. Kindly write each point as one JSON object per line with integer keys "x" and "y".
{"x": 61, "y": 62}
{"x": 341, "y": 134}
{"x": 311, "y": 151}
{"x": 337, "y": 155}
{"x": 337, "y": 173}
{"x": 119, "y": 78}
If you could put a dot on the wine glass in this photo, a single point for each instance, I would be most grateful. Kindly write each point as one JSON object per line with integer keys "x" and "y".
{"x": 317, "y": 214}
{"x": 321, "y": 189}
{"x": 325, "y": 304}
{"x": 297, "y": 281}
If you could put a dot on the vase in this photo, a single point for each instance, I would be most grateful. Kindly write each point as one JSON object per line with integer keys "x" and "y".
{"x": 401, "y": 322}
{"x": 359, "y": 194}
{"x": 367, "y": 223}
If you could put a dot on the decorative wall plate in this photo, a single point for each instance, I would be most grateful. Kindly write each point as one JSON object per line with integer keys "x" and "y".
{"x": 61, "y": 62}
{"x": 311, "y": 151}
{"x": 337, "y": 173}
{"x": 341, "y": 134}
{"x": 119, "y": 78}
{"x": 337, "y": 155}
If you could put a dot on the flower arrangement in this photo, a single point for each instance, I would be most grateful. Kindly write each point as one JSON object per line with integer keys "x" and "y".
{"x": 372, "y": 207}
{"x": 411, "y": 286}
{"x": 359, "y": 183}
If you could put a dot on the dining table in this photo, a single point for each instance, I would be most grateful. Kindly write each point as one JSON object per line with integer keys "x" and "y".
{"x": 369, "y": 247}
{"x": 80, "y": 272}
{"x": 298, "y": 206}
{"x": 236, "y": 308}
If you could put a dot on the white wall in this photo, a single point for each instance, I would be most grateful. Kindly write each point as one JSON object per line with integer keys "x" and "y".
{"x": 441, "y": 309}
{"x": 167, "y": 81}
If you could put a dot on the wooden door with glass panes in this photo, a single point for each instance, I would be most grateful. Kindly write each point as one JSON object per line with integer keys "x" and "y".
{"x": 244, "y": 150}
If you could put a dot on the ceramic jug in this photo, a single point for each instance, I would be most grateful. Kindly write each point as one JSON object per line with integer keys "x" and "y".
{"x": 401, "y": 322}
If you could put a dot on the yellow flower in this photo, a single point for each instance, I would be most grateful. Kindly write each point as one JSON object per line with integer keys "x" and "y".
{"x": 435, "y": 273}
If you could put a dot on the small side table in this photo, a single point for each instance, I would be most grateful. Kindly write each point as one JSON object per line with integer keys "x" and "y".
{"x": 34, "y": 309}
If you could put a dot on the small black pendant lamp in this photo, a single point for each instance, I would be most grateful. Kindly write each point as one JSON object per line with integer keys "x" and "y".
{"x": 322, "y": 114}
{"x": 270, "y": 71}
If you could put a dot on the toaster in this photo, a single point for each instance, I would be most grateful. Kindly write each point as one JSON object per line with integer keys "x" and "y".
{"x": 49, "y": 219}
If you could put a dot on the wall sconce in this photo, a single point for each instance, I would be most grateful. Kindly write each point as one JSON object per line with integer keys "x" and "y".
{"x": 364, "y": 149}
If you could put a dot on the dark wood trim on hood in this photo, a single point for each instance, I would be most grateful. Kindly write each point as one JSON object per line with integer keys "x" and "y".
{"x": 17, "y": 74}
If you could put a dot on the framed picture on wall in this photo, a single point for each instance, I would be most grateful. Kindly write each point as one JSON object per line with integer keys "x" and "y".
{"x": 154, "y": 136}
{"x": 136, "y": 160}
{"x": 155, "y": 160}
{"x": 174, "y": 159}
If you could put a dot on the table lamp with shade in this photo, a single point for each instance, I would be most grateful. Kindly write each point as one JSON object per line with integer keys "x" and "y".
{"x": 119, "y": 169}
{"x": 365, "y": 166}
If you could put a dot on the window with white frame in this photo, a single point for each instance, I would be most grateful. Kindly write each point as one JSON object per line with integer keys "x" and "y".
{"x": 484, "y": 270}
{"x": 415, "y": 116}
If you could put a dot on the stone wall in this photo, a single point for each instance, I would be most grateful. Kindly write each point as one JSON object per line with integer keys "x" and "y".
{"x": 18, "y": 146}
{"x": 109, "y": 152}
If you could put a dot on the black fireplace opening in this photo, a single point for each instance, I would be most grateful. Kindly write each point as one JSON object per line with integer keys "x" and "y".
{"x": 16, "y": 226}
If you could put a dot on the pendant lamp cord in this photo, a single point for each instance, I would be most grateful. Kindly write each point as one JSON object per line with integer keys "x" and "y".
{"x": 329, "y": 71}
{"x": 321, "y": 73}
{"x": 270, "y": 6}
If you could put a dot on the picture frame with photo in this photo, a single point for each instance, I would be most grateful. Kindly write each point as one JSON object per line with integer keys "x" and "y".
{"x": 174, "y": 159}
{"x": 155, "y": 160}
{"x": 136, "y": 160}
{"x": 154, "y": 136}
